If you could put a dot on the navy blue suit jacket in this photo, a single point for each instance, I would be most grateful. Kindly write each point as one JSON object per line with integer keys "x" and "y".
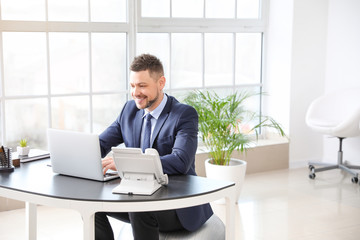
{"x": 174, "y": 137}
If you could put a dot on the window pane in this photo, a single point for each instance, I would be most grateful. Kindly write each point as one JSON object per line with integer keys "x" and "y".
{"x": 156, "y": 44}
{"x": 108, "y": 11}
{"x": 186, "y": 60}
{"x": 251, "y": 104}
{"x": 69, "y": 62}
{"x": 31, "y": 125}
{"x": 71, "y": 113}
{"x": 23, "y": 10}
{"x": 248, "y": 58}
{"x": 188, "y": 8}
{"x": 155, "y": 8}
{"x": 68, "y": 10}
{"x": 109, "y": 61}
{"x": 180, "y": 95}
{"x": 106, "y": 108}
{"x": 218, "y": 59}
{"x": 220, "y": 8}
{"x": 248, "y": 8}
{"x": 223, "y": 92}
{"x": 25, "y": 71}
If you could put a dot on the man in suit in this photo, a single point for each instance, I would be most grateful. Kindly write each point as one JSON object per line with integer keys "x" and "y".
{"x": 174, "y": 129}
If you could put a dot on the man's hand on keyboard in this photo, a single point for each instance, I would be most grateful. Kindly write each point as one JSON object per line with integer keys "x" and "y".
{"x": 108, "y": 163}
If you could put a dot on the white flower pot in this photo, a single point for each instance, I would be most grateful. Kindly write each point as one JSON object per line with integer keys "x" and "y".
{"x": 23, "y": 151}
{"x": 234, "y": 172}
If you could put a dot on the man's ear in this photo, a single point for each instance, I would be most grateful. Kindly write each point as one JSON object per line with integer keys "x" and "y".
{"x": 162, "y": 82}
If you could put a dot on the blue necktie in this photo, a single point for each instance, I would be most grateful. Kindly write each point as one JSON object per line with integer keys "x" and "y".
{"x": 147, "y": 133}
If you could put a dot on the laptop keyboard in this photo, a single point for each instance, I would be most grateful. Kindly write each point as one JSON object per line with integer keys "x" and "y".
{"x": 109, "y": 174}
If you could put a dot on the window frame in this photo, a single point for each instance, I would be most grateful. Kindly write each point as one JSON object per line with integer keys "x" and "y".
{"x": 65, "y": 27}
{"x": 208, "y": 25}
{"x": 135, "y": 24}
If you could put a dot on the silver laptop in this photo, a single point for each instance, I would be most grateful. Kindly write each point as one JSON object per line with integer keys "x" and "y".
{"x": 77, "y": 154}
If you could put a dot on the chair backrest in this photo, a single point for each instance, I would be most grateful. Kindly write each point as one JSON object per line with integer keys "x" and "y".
{"x": 336, "y": 113}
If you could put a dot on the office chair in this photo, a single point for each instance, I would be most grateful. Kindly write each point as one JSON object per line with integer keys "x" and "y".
{"x": 214, "y": 229}
{"x": 336, "y": 114}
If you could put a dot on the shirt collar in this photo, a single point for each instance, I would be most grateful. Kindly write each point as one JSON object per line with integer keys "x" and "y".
{"x": 157, "y": 111}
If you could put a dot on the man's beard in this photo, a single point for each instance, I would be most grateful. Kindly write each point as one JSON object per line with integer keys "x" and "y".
{"x": 151, "y": 102}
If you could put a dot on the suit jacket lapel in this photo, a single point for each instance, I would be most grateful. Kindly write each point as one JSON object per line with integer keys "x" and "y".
{"x": 137, "y": 127}
{"x": 161, "y": 120}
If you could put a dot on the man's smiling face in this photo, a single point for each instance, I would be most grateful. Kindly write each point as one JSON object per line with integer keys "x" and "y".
{"x": 146, "y": 90}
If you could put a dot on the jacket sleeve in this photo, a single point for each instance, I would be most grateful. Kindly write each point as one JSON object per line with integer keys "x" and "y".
{"x": 181, "y": 160}
{"x": 112, "y": 136}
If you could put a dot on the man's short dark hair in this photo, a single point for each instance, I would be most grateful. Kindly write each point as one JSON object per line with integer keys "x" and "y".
{"x": 148, "y": 62}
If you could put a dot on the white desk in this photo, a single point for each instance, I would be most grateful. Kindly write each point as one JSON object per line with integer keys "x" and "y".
{"x": 36, "y": 184}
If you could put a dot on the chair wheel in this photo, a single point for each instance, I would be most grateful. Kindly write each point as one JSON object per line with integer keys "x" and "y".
{"x": 312, "y": 175}
{"x": 354, "y": 180}
{"x": 311, "y": 167}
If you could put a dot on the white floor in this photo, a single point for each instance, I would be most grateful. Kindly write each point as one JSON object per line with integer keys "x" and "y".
{"x": 281, "y": 205}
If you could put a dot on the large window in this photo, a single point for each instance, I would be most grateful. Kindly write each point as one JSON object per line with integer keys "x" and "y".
{"x": 64, "y": 64}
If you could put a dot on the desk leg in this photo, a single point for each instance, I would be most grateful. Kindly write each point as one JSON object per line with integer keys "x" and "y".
{"x": 230, "y": 218}
{"x": 88, "y": 226}
{"x": 31, "y": 219}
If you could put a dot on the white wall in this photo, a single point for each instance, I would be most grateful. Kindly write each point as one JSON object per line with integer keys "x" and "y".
{"x": 277, "y": 67}
{"x": 307, "y": 76}
{"x": 312, "y": 47}
{"x": 295, "y": 70}
{"x": 343, "y": 65}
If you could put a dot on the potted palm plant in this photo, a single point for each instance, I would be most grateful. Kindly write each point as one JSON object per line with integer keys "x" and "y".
{"x": 226, "y": 125}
